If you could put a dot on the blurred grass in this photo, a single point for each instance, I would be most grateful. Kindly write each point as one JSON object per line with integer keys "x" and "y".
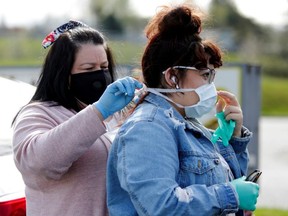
{"x": 274, "y": 96}
{"x": 127, "y": 52}
{"x": 24, "y": 51}
{"x": 270, "y": 212}
{"x": 17, "y": 51}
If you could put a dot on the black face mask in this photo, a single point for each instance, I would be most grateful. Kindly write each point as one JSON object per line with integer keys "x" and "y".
{"x": 89, "y": 86}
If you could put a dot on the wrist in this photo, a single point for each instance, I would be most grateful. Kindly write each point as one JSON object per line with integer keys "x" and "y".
{"x": 237, "y": 134}
{"x": 101, "y": 110}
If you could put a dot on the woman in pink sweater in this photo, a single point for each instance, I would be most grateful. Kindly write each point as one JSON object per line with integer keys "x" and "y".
{"x": 59, "y": 138}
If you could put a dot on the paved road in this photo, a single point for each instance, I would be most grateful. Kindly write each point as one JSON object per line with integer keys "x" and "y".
{"x": 273, "y": 149}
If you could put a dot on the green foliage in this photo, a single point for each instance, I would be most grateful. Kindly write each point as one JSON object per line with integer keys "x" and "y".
{"x": 270, "y": 212}
{"x": 274, "y": 96}
{"x": 275, "y": 66}
{"x": 111, "y": 15}
{"x": 226, "y": 16}
{"x": 283, "y": 40}
{"x": 112, "y": 25}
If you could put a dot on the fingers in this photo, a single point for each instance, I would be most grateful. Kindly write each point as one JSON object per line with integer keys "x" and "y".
{"x": 229, "y": 104}
{"x": 138, "y": 84}
{"x": 233, "y": 112}
{"x": 127, "y": 86}
{"x": 228, "y": 97}
{"x": 220, "y": 105}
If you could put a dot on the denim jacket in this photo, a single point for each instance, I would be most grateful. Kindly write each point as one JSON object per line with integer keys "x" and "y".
{"x": 163, "y": 164}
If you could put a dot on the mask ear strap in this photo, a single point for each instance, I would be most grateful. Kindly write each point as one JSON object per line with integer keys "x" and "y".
{"x": 156, "y": 91}
{"x": 170, "y": 90}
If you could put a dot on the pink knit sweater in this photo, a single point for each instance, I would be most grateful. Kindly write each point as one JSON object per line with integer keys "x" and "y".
{"x": 62, "y": 158}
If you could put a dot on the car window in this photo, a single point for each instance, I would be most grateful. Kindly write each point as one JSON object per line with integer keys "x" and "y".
{"x": 5, "y": 147}
{"x": 13, "y": 95}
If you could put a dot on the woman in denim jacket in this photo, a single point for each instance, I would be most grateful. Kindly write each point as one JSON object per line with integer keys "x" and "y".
{"x": 163, "y": 161}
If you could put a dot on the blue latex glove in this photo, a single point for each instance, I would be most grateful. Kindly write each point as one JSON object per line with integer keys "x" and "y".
{"x": 225, "y": 129}
{"x": 248, "y": 193}
{"x": 117, "y": 95}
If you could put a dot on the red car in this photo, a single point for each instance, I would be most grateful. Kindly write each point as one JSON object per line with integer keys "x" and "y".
{"x": 13, "y": 96}
{"x": 12, "y": 197}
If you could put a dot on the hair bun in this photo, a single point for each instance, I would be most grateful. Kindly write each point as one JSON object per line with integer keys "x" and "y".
{"x": 180, "y": 20}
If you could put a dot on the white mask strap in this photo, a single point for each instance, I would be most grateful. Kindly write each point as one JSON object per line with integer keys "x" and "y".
{"x": 155, "y": 91}
{"x": 171, "y": 90}
{"x": 158, "y": 91}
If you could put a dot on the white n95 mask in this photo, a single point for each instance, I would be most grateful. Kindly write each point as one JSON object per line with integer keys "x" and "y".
{"x": 207, "y": 98}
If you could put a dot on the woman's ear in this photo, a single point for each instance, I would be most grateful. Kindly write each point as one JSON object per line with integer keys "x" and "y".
{"x": 170, "y": 77}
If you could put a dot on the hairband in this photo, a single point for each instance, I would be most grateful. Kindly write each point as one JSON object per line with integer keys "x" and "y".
{"x": 54, "y": 35}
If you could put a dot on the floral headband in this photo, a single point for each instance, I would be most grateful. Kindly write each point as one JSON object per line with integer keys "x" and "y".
{"x": 54, "y": 35}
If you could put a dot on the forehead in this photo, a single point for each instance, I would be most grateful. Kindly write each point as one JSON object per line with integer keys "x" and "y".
{"x": 90, "y": 53}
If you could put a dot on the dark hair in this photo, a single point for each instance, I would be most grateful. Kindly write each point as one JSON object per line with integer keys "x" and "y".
{"x": 53, "y": 83}
{"x": 173, "y": 40}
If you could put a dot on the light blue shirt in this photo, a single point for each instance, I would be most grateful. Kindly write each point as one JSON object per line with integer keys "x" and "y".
{"x": 163, "y": 164}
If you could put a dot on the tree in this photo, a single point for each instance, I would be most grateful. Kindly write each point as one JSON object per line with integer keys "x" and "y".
{"x": 115, "y": 16}
{"x": 226, "y": 17}
{"x": 283, "y": 41}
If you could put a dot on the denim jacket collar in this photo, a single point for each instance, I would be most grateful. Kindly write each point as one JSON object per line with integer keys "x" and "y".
{"x": 164, "y": 104}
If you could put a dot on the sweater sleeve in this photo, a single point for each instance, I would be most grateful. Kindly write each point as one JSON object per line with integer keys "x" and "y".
{"x": 48, "y": 139}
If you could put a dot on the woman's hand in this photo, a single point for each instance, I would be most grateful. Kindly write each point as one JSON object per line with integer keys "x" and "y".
{"x": 117, "y": 95}
{"x": 228, "y": 103}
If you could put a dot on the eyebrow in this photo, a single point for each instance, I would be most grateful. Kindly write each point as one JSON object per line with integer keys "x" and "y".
{"x": 93, "y": 63}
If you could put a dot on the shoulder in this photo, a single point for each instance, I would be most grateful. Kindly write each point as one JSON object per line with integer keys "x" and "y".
{"x": 45, "y": 107}
{"x": 43, "y": 111}
{"x": 146, "y": 112}
{"x": 149, "y": 118}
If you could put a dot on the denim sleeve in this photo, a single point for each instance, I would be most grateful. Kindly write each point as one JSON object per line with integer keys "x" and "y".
{"x": 236, "y": 154}
{"x": 239, "y": 144}
{"x": 147, "y": 167}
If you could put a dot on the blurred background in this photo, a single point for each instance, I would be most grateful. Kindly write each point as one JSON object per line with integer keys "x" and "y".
{"x": 251, "y": 32}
